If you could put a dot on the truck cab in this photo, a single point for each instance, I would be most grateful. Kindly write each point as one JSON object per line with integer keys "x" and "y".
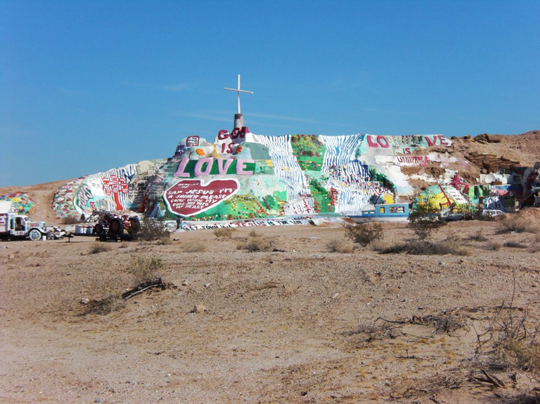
{"x": 14, "y": 226}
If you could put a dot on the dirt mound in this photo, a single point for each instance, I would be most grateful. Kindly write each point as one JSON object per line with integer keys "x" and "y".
{"x": 43, "y": 196}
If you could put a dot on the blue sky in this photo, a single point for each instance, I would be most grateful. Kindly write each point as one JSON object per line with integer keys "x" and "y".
{"x": 86, "y": 86}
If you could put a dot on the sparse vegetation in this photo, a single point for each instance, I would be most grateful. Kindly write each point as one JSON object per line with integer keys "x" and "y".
{"x": 97, "y": 248}
{"x": 223, "y": 233}
{"x": 253, "y": 233}
{"x": 152, "y": 229}
{"x": 340, "y": 246}
{"x": 478, "y": 236}
{"x": 514, "y": 337}
{"x": 364, "y": 233}
{"x": 517, "y": 224}
{"x": 514, "y": 244}
{"x": 425, "y": 248}
{"x": 256, "y": 244}
{"x": 425, "y": 221}
{"x": 193, "y": 246}
{"x": 146, "y": 268}
{"x": 493, "y": 246}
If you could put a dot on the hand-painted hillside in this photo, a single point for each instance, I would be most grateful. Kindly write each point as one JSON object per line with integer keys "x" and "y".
{"x": 242, "y": 175}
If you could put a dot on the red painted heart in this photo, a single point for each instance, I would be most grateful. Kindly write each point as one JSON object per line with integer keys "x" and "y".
{"x": 189, "y": 197}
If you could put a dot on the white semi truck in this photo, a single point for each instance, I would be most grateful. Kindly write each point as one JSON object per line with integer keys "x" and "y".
{"x": 15, "y": 226}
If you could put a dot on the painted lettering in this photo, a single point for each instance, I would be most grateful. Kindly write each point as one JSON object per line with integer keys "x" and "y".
{"x": 370, "y": 142}
{"x": 200, "y": 164}
{"x": 181, "y": 167}
{"x": 241, "y": 167}
{"x": 431, "y": 142}
{"x": 443, "y": 140}
{"x": 204, "y": 167}
{"x": 381, "y": 141}
{"x": 223, "y": 165}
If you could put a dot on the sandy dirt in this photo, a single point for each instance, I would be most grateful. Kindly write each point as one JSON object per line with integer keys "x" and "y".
{"x": 299, "y": 324}
{"x": 296, "y": 325}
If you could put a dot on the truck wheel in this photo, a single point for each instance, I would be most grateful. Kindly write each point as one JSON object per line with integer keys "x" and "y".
{"x": 98, "y": 229}
{"x": 34, "y": 235}
{"x": 116, "y": 227}
{"x": 135, "y": 225}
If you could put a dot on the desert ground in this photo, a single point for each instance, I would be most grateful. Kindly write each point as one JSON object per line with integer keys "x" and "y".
{"x": 297, "y": 323}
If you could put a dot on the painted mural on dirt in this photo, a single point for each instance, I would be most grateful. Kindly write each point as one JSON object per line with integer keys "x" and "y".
{"x": 118, "y": 189}
{"x": 242, "y": 175}
{"x": 20, "y": 202}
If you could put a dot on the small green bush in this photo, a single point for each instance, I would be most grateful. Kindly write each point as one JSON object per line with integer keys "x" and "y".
{"x": 364, "y": 233}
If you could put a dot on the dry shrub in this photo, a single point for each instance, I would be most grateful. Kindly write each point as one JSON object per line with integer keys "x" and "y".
{"x": 442, "y": 323}
{"x": 340, "y": 246}
{"x": 257, "y": 244}
{"x": 108, "y": 290}
{"x": 424, "y": 222}
{"x": 426, "y": 248}
{"x": 512, "y": 339}
{"x": 513, "y": 244}
{"x": 517, "y": 224}
{"x": 478, "y": 236}
{"x": 253, "y": 233}
{"x": 152, "y": 229}
{"x": 97, "y": 248}
{"x": 379, "y": 330}
{"x": 364, "y": 233}
{"x": 146, "y": 268}
{"x": 165, "y": 240}
{"x": 193, "y": 246}
{"x": 224, "y": 233}
{"x": 493, "y": 246}
{"x": 379, "y": 245}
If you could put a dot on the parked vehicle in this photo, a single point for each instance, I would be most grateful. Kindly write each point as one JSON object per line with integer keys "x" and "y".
{"x": 492, "y": 212}
{"x": 392, "y": 212}
{"x": 109, "y": 223}
{"x": 15, "y": 226}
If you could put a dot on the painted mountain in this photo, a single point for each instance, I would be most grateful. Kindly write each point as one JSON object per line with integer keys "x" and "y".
{"x": 242, "y": 175}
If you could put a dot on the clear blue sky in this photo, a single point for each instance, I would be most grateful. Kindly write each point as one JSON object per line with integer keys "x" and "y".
{"x": 86, "y": 86}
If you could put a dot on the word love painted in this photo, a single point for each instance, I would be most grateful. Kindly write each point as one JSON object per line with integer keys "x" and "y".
{"x": 204, "y": 167}
{"x": 190, "y": 197}
{"x": 383, "y": 142}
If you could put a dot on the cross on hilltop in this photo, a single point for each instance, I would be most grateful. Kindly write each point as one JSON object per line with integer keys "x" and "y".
{"x": 238, "y": 91}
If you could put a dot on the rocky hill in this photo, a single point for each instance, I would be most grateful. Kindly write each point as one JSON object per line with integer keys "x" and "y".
{"x": 287, "y": 175}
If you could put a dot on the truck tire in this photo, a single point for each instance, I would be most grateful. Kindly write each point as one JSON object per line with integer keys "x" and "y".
{"x": 116, "y": 227}
{"x": 135, "y": 225}
{"x": 34, "y": 235}
{"x": 98, "y": 229}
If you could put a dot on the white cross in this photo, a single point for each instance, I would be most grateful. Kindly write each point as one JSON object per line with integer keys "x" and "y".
{"x": 238, "y": 91}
